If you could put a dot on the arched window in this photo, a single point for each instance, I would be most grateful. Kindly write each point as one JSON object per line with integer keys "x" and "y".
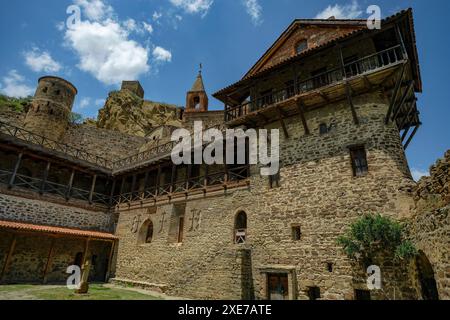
{"x": 197, "y": 103}
{"x": 240, "y": 228}
{"x": 301, "y": 46}
{"x": 146, "y": 232}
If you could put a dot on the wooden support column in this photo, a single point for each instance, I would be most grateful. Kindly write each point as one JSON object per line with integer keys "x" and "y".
{"x": 16, "y": 168}
{"x": 133, "y": 183}
{"x": 301, "y": 109}
{"x": 111, "y": 195}
{"x": 395, "y": 94}
{"x": 111, "y": 256}
{"x": 348, "y": 88}
{"x": 91, "y": 193}
{"x": 173, "y": 178}
{"x": 283, "y": 125}
{"x": 158, "y": 179}
{"x": 350, "y": 102}
{"x": 405, "y": 133}
{"x": 188, "y": 175}
{"x": 70, "y": 185}
{"x": 86, "y": 251}
{"x": 206, "y": 175}
{"x": 12, "y": 247}
{"x": 49, "y": 260}
{"x": 45, "y": 177}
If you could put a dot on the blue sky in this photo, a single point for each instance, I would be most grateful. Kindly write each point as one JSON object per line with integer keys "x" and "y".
{"x": 162, "y": 42}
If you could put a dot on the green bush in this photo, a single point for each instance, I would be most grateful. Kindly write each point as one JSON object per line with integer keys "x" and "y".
{"x": 373, "y": 234}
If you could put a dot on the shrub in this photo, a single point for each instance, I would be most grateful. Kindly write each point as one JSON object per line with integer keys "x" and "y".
{"x": 373, "y": 234}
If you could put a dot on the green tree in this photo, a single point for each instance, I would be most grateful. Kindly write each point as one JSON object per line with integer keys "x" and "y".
{"x": 76, "y": 118}
{"x": 373, "y": 234}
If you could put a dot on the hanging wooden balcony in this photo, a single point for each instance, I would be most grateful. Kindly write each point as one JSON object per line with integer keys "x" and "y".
{"x": 357, "y": 77}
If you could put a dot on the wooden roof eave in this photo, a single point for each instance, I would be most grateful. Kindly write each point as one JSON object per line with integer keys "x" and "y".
{"x": 222, "y": 94}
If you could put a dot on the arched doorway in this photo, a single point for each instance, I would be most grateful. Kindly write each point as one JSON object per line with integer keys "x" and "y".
{"x": 146, "y": 232}
{"x": 426, "y": 278}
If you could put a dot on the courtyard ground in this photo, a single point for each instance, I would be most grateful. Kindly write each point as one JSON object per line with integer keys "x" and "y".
{"x": 96, "y": 292}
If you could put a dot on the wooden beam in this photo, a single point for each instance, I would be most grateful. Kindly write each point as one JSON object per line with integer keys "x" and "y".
{"x": 406, "y": 118}
{"x": 395, "y": 94}
{"x": 8, "y": 258}
{"x": 111, "y": 195}
{"x": 111, "y": 256}
{"x": 301, "y": 109}
{"x": 91, "y": 192}
{"x": 49, "y": 260}
{"x": 16, "y": 168}
{"x": 173, "y": 178}
{"x": 411, "y": 137}
{"x": 323, "y": 96}
{"x": 402, "y": 101}
{"x": 367, "y": 83}
{"x": 283, "y": 125}
{"x": 405, "y": 133}
{"x": 350, "y": 102}
{"x": 45, "y": 177}
{"x": 70, "y": 185}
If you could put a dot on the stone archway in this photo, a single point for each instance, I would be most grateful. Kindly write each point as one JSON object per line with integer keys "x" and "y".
{"x": 426, "y": 278}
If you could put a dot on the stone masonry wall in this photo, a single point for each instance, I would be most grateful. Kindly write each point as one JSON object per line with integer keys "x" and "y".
{"x": 317, "y": 191}
{"x": 429, "y": 228}
{"x": 109, "y": 144}
{"x": 44, "y": 213}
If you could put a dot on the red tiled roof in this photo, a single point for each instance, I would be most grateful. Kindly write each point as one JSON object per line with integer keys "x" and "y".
{"x": 56, "y": 230}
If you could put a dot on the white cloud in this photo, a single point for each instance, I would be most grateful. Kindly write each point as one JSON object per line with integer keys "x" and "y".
{"x": 156, "y": 15}
{"x": 193, "y": 6}
{"x": 95, "y": 10}
{"x": 100, "y": 102}
{"x": 162, "y": 55}
{"x": 418, "y": 173}
{"x": 347, "y": 11}
{"x": 106, "y": 52}
{"x": 83, "y": 104}
{"x": 13, "y": 85}
{"x": 60, "y": 25}
{"x": 254, "y": 9}
{"x": 147, "y": 27}
{"x": 41, "y": 61}
{"x": 103, "y": 46}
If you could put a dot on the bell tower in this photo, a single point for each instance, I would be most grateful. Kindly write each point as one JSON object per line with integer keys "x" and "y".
{"x": 197, "y": 99}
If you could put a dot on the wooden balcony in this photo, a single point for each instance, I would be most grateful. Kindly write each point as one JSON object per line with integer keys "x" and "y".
{"x": 357, "y": 77}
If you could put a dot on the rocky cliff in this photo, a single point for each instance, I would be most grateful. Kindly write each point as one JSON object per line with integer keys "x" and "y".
{"x": 126, "y": 112}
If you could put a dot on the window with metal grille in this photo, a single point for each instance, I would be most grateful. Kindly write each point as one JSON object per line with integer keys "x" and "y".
{"x": 359, "y": 161}
{"x": 362, "y": 295}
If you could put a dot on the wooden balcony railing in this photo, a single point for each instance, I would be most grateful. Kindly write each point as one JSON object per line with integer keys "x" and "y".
{"x": 35, "y": 139}
{"x": 185, "y": 187}
{"x": 357, "y": 68}
{"x": 48, "y": 187}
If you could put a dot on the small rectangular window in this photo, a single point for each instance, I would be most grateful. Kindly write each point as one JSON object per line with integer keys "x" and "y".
{"x": 323, "y": 128}
{"x": 363, "y": 295}
{"x": 359, "y": 161}
{"x": 296, "y": 233}
{"x": 314, "y": 293}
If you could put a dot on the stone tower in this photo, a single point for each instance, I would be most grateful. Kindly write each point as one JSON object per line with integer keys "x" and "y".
{"x": 51, "y": 107}
{"x": 197, "y": 99}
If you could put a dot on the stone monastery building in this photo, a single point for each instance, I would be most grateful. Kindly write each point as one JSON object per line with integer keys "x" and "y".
{"x": 344, "y": 100}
